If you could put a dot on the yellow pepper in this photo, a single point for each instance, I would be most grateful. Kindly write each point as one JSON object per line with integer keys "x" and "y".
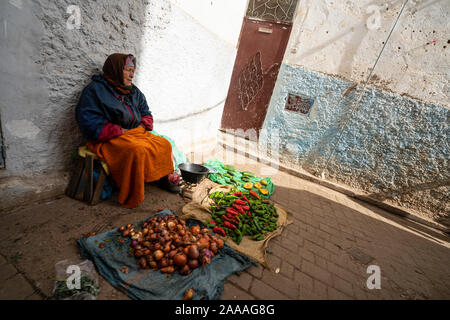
{"x": 264, "y": 191}
{"x": 248, "y": 186}
{"x": 258, "y": 185}
{"x": 264, "y": 182}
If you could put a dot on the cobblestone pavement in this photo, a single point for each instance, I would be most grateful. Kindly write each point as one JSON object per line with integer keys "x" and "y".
{"x": 323, "y": 254}
{"x": 326, "y": 251}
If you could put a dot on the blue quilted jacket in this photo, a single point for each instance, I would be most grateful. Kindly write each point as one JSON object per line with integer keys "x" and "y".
{"x": 100, "y": 103}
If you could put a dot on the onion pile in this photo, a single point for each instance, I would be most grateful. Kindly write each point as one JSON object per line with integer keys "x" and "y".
{"x": 167, "y": 244}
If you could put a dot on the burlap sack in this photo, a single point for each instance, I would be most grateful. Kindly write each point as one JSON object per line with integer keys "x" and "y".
{"x": 253, "y": 249}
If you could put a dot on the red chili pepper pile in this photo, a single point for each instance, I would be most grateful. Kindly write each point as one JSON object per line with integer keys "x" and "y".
{"x": 235, "y": 215}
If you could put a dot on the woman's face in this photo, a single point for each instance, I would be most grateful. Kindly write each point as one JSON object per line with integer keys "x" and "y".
{"x": 128, "y": 74}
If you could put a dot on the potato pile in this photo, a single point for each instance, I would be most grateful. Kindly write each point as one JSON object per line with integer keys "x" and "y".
{"x": 167, "y": 244}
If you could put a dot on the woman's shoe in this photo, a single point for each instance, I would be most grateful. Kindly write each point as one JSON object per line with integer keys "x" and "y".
{"x": 165, "y": 184}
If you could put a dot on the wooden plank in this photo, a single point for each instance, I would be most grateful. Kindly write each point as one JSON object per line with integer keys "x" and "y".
{"x": 79, "y": 193}
{"x": 99, "y": 187}
{"x": 90, "y": 178}
{"x": 75, "y": 179}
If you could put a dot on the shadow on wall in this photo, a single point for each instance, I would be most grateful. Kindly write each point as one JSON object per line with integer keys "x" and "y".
{"x": 52, "y": 49}
{"x": 392, "y": 144}
{"x": 105, "y": 28}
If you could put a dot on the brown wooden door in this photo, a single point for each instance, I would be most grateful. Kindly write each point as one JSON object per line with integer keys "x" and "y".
{"x": 262, "y": 45}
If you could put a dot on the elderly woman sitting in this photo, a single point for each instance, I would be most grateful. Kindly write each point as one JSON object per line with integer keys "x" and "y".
{"x": 114, "y": 117}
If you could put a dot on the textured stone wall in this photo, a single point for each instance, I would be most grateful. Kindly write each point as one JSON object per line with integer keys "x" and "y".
{"x": 395, "y": 148}
{"x": 184, "y": 67}
{"x": 45, "y": 66}
{"x": 344, "y": 38}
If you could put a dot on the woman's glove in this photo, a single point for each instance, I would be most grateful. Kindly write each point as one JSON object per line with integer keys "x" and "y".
{"x": 147, "y": 123}
{"x": 109, "y": 131}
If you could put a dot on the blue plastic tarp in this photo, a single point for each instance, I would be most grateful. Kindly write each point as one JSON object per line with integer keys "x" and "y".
{"x": 207, "y": 282}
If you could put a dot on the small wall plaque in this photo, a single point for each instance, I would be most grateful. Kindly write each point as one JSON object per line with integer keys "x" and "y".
{"x": 299, "y": 104}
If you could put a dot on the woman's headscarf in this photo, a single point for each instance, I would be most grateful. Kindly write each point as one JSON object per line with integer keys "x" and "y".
{"x": 113, "y": 71}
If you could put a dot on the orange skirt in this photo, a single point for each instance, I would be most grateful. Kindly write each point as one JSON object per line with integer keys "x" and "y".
{"x": 134, "y": 158}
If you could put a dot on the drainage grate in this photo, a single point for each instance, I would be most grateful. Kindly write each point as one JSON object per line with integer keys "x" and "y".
{"x": 299, "y": 104}
{"x": 360, "y": 256}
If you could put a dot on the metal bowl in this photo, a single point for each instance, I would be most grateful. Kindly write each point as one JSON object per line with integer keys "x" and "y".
{"x": 193, "y": 173}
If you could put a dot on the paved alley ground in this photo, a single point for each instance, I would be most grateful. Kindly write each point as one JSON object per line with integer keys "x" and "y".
{"x": 323, "y": 254}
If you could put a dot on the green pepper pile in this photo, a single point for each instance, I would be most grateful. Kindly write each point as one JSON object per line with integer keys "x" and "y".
{"x": 229, "y": 175}
{"x": 238, "y": 214}
{"x": 232, "y": 178}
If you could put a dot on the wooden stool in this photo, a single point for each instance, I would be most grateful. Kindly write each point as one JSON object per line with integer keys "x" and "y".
{"x": 81, "y": 185}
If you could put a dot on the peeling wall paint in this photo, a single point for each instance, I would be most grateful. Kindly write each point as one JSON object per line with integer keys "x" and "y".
{"x": 23, "y": 129}
{"x": 343, "y": 38}
{"x": 396, "y": 145}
